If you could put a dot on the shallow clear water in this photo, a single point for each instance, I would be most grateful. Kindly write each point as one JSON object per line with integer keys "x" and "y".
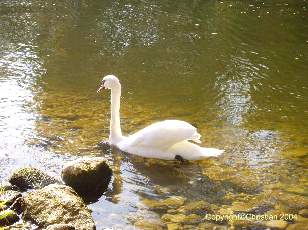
{"x": 237, "y": 70}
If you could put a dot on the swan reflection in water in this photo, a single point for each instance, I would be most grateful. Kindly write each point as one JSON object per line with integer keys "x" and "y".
{"x": 158, "y": 179}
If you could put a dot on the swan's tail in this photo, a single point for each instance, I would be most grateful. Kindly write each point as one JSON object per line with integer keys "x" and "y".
{"x": 191, "y": 151}
{"x": 211, "y": 152}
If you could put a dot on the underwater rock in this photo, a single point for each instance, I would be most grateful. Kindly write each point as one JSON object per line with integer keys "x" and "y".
{"x": 31, "y": 178}
{"x": 8, "y": 217}
{"x": 60, "y": 227}
{"x": 8, "y": 197}
{"x": 198, "y": 207}
{"x": 276, "y": 224}
{"x": 104, "y": 145}
{"x": 240, "y": 180}
{"x": 245, "y": 224}
{"x": 21, "y": 226}
{"x": 144, "y": 224}
{"x": 181, "y": 218}
{"x": 298, "y": 226}
{"x": 5, "y": 186}
{"x": 89, "y": 177}
{"x": 303, "y": 212}
{"x": 176, "y": 218}
{"x": 169, "y": 203}
{"x": 292, "y": 202}
{"x": 192, "y": 219}
{"x": 174, "y": 226}
{"x": 57, "y": 204}
{"x": 255, "y": 204}
{"x": 208, "y": 225}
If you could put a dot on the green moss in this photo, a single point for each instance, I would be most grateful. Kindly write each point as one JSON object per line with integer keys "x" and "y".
{"x": 8, "y": 217}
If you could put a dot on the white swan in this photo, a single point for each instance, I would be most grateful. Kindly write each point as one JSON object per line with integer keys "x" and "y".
{"x": 168, "y": 140}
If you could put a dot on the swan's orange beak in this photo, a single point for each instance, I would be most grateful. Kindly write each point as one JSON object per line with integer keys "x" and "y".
{"x": 101, "y": 87}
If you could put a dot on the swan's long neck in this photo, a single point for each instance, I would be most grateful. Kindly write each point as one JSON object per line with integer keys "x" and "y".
{"x": 115, "y": 125}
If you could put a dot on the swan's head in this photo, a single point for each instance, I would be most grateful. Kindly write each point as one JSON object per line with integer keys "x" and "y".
{"x": 109, "y": 82}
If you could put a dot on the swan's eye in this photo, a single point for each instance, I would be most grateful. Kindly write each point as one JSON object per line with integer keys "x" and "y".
{"x": 101, "y": 87}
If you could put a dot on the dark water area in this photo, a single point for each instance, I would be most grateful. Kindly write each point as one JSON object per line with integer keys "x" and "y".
{"x": 237, "y": 70}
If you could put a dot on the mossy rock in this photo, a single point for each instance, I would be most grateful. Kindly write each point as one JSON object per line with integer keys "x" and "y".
{"x": 297, "y": 226}
{"x": 174, "y": 226}
{"x": 292, "y": 202}
{"x": 169, "y": 203}
{"x": 176, "y": 218}
{"x": 181, "y": 218}
{"x": 8, "y": 217}
{"x": 210, "y": 226}
{"x": 60, "y": 227}
{"x": 148, "y": 225}
{"x": 197, "y": 207}
{"x": 8, "y": 197}
{"x": 303, "y": 212}
{"x": 276, "y": 224}
{"x": 240, "y": 180}
{"x": 89, "y": 177}
{"x": 31, "y": 178}
{"x": 20, "y": 226}
{"x": 56, "y": 204}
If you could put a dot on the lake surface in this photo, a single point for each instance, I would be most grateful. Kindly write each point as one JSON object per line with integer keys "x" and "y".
{"x": 237, "y": 70}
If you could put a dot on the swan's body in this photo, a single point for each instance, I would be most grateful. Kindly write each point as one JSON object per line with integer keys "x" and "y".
{"x": 163, "y": 140}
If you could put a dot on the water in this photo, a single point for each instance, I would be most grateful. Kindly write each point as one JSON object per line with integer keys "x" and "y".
{"x": 237, "y": 70}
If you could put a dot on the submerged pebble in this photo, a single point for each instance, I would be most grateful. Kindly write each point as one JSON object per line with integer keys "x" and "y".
{"x": 276, "y": 224}
{"x": 169, "y": 203}
{"x": 303, "y": 212}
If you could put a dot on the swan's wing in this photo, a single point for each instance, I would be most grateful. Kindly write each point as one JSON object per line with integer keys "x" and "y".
{"x": 164, "y": 134}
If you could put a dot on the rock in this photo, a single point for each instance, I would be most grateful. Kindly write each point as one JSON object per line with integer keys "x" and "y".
{"x": 20, "y": 226}
{"x": 174, "y": 226}
{"x": 303, "y": 212}
{"x": 208, "y": 225}
{"x": 89, "y": 177}
{"x": 17, "y": 206}
{"x": 276, "y": 224}
{"x": 240, "y": 180}
{"x": 56, "y": 204}
{"x": 189, "y": 227}
{"x": 176, "y": 218}
{"x": 181, "y": 218}
{"x": 298, "y": 226}
{"x": 253, "y": 204}
{"x": 169, "y": 203}
{"x": 4, "y": 186}
{"x": 31, "y": 178}
{"x": 8, "y": 197}
{"x": 245, "y": 223}
{"x": 300, "y": 219}
{"x": 192, "y": 219}
{"x": 144, "y": 224}
{"x": 8, "y": 217}
{"x": 198, "y": 207}
{"x": 60, "y": 227}
{"x": 292, "y": 202}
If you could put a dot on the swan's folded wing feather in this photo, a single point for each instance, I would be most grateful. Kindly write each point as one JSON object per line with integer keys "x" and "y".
{"x": 164, "y": 134}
